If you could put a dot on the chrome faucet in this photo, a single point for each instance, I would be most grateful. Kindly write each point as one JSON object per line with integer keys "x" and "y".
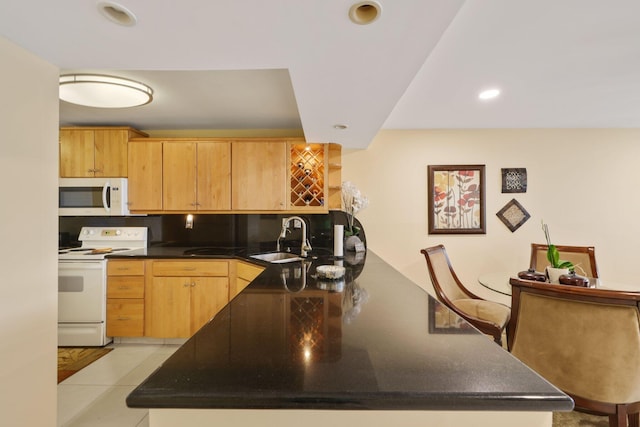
{"x": 305, "y": 246}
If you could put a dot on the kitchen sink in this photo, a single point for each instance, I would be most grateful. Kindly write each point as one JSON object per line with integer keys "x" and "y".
{"x": 277, "y": 257}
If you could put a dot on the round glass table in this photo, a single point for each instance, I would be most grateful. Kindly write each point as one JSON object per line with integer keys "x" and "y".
{"x": 497, "y": 282}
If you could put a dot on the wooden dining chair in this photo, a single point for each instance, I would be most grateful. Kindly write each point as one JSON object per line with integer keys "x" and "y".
{"x": 584, "y": 341}
{"x": 582, "y": 257}
{"x": 489, "y": 317}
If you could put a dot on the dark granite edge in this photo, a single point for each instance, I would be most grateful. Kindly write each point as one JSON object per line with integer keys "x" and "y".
{"x": 381, "y": 402}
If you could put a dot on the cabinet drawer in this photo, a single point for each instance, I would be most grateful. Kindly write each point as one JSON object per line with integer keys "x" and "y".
{"x": 190, "y": 268}
{"x": 125, "y": 287}
{"x": 248, "y": 271}
{"x": 125, "y": 317}
{"x": 125, "y": 268}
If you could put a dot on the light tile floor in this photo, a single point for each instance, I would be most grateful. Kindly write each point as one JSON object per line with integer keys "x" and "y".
{"x": 95, "y": 396}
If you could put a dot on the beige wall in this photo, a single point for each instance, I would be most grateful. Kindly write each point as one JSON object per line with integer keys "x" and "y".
{"x": 583, "y": 183}
{"x": 28, "y": 226}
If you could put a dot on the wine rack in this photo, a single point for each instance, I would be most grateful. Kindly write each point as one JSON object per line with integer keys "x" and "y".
{"x": 308, "y": 176}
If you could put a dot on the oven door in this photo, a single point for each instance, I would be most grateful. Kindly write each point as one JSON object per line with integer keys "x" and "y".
{"x": 82, "y": 291}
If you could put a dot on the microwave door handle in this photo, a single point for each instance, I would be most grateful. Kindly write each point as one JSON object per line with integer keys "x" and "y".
{"x": 106, "y": 188}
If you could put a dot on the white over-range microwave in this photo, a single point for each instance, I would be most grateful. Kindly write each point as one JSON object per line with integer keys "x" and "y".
{"x": 92, "y": 197}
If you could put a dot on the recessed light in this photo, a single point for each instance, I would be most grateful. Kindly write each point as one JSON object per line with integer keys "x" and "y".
{"x": 340, "y": 126}
{"x": 117, "y": 13}
{"x": 365, "y": 12}
{"x": 489, "y": 94}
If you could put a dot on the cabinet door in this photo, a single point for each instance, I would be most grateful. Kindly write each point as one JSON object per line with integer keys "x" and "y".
{"x": 168, "y": 307}
{"x": 145, "y": 176}
{"x": 179, "y": 176}
{"x": 76, "y": 153}
{"x": 208, "y": 296}
{"x": 111, "y": 152}
{"x": 214, "y": 175}
{"x": 259, "y": 175}
{"x": 245, "y": 273}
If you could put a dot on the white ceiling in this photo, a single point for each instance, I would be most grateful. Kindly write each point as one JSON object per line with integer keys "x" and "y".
{"x": 230, "y": 64}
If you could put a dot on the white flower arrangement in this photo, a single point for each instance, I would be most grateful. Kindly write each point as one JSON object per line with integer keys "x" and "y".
{"x": 353, "y": 202}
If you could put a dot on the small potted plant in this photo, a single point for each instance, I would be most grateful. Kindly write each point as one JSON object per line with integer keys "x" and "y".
{"x": 557, "y": 267}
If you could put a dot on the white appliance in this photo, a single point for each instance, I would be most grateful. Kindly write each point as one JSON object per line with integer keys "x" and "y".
{"x": 92, "y": 197}
{"x": 82, "y": 283}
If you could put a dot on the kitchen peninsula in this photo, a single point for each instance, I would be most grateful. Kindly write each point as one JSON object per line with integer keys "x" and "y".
{"x": 374, "y": 348}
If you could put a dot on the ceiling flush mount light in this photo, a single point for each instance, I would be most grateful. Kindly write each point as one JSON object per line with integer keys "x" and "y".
{"x": 488, "y": 94}
{"x": 117, "y": 13}
{"x": 100, "y": 91}
{"x": 365, "y": 12}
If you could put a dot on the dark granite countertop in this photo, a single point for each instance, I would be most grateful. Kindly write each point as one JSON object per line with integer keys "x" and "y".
{"x": 373, "y": 341}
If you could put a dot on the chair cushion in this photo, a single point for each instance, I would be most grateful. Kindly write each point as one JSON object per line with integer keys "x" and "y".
{"x": 484, "y": 310}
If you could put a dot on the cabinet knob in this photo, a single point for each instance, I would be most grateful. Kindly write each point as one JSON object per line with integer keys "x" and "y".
{"x": 193, "y": 284}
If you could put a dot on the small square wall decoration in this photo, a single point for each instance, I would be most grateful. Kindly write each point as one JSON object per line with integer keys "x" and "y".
{"x": 513, "y": 215}
{"x": 514, "y": 180}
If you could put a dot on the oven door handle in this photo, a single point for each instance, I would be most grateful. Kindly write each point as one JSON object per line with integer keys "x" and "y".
{"x": 105, "y": 188}
{"x": 96, "y": 264}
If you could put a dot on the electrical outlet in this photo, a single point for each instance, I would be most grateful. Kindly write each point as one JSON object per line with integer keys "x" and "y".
{"x": 297, "y": 223}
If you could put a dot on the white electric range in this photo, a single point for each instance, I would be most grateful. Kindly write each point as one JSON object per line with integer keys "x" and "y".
{"x": 82, "y": 282}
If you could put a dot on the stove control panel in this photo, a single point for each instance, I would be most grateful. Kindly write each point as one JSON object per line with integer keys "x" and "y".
{"x": 106, "y": 234}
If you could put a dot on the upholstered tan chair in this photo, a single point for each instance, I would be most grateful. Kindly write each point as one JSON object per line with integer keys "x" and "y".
{"x": 489, "y": 317}
{"x": 585, "y": 341}
{"x": 583, "y": 257}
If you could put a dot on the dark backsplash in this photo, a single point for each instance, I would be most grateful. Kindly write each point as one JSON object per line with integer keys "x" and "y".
{"x": 224, "y": 230}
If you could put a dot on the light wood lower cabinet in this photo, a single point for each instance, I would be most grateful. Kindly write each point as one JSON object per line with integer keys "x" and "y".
{"x": 125, "y": 298}
{"x": 170, "y": 298}
{"x": 245, "y": 273}
{"x": 181, "y": 296}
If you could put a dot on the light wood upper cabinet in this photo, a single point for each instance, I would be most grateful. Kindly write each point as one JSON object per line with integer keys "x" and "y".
{"x": 259, "y": 175}
{"x": 179, "y": 176}
{"x": 240, "y": 175}
{"x": 145, "y": 176}
{"x": 214, "y": 176}
{"x": 95, "y": 152}
{"x": 197, "y": 175}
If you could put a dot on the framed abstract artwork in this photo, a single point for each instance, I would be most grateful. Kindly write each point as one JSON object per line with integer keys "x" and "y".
{"x": 456, "y": 199}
